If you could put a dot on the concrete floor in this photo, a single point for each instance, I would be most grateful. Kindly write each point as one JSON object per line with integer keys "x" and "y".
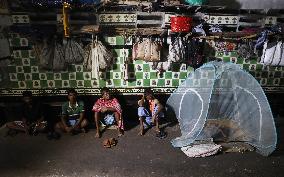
{"x": 83, "y": 155}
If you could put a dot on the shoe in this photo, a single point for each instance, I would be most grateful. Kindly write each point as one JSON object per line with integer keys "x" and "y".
{"x": 161, "y": 135}
{"x": 106, "y": 143}
{"x": 113, "y": 142}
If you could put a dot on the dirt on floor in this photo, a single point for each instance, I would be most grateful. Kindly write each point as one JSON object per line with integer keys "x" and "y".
{"x": 83, "y": 155}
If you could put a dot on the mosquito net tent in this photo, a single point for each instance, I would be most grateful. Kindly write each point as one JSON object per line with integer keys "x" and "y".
{"x": 221, "y": 101}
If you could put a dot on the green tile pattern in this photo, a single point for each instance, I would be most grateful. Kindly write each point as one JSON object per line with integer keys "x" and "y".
{"x": 24, "y": 72}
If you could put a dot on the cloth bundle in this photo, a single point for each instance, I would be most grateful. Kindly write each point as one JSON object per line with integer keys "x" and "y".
{"x": 176, "y": 54}
{"x": 97, "y": 57}
{"x": 55, "y": 56}
{"x": 147, "y": 50}
{"x": 59, "y": 63}
{"x": 74, "y": 52}
{"x": 273, "y": 54}
{"x": 201, "y": 150}
{"x": 51, "y": 55}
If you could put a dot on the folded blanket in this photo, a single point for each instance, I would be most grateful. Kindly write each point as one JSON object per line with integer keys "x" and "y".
{"x": 201, "y": 150}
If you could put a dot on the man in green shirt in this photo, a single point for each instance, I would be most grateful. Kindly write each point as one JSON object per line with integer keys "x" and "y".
{"x": 73, "y": 115}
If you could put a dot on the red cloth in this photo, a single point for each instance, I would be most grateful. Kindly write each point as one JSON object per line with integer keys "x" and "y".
{"x": 111, "y": 103}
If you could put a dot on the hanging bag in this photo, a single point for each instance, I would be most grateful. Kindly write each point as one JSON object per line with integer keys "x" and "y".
{"x": 147, "y": 50}
{"x": 278, "y": 59}
{"x": 97, "y": 57}
{"x": 73, "y": 51}
{"x": 59, "y": 63}
{"x": 44, "y": 53}
{"x": 140, "y": 50}
{"x": 87, "y": 63}
{"x": 269, "y": 50}
{"x": 155, "y": 51}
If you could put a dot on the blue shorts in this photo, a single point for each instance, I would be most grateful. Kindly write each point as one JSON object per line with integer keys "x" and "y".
{"x": 109, "y": 119}
{"x": 143, "y": 112}
{"x": 72, "y": 122}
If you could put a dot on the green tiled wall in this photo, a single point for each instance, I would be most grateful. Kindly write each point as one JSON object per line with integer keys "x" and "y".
{"x": 24, "y": 72}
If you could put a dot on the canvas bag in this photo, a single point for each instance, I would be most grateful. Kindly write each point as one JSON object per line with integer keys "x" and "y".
{"x": 97, "y": 57}
{"x": 59, "y": 63}
{"x": 73, "y": 52}
{"x": 44, "y": 52}
{"x": 147, "y": 50}
{"x": 278, "y": 59}
{"x": 273, "y": 54}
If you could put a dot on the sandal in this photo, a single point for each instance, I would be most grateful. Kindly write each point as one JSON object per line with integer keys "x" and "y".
{"x": 112, "y": 141}
{"x": 106, "y": 143}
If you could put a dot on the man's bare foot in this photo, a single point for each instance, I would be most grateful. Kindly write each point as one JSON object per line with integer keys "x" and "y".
{"x": 98, "y": 135}
{"x": 120, "y": 133}
{"x": 153, "y": 121}
{"x": 141, "y": 132}
{"x": 83, "y": 130}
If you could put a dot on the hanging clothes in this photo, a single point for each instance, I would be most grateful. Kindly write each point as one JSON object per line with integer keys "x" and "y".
{"x": 44, "y": 51}
{"x": 147, "y": 50}
{"x": 273, "y": 53}
{"x": 97, "y": 57}
{"x": 59, "y": 63}
{"x": 73, "y": 52}
{"x": 176, "y": 50}
{"x": 194, "y": 52}
{"x": 87, "y": 63}
{"x": 50, "y": 54}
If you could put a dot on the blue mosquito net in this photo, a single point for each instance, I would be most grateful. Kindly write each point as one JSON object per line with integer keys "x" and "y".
{"x": 221, "y": 101}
